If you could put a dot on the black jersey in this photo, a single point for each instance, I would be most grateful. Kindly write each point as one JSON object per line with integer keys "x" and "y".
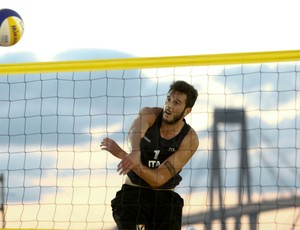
{"x": 155, "y": 150}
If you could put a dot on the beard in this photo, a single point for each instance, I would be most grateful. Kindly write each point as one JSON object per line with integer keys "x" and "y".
{"x": 175, "y": 118}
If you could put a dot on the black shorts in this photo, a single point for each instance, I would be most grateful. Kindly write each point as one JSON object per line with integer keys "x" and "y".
{"x": 146, "y": 209}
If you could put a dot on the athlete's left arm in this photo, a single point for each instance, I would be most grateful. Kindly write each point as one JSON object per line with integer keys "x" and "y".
{"x": 173, "y": 164}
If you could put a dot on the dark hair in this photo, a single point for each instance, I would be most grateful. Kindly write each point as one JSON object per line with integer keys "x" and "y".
{"x": 190, "y": 92}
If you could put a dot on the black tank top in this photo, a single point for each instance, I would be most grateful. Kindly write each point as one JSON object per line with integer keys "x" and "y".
{"x": 155, "y": 150}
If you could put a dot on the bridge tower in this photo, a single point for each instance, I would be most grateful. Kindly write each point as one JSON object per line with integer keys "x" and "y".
{"x": 229, "y": 116}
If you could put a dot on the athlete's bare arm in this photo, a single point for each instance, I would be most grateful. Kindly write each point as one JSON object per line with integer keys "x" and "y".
{"x": 131, "y": 161}
{"x": 172, "y": 165}
{"x": 139, "y": 126}
{"x": 169, "y": 168}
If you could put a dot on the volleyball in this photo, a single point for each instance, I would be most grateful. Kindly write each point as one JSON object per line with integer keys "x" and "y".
{"x": 11, "y": 27}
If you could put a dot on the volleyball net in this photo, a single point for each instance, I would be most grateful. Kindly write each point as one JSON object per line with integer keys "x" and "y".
{"x": 54, "y": 115}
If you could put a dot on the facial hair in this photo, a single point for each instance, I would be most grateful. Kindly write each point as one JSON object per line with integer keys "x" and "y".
{"x": 175, "y": 118}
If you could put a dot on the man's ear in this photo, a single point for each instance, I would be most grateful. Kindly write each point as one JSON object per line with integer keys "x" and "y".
{"x": 187, "y": 111}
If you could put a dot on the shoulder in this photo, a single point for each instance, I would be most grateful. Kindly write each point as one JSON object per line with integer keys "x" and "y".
{"x": 149, "y": 114}
{"x": 191, "y": 139}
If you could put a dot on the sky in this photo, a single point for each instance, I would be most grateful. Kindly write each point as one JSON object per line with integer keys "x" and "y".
{"x": 61, "y": 164}
{"x": 51, "y": 126}
{"x": 154, "y": 28}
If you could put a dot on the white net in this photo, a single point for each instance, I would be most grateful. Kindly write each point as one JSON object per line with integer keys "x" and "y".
{"x": 56, "y": 176}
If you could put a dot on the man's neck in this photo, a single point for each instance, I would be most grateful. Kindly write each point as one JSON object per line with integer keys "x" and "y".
{"x": 168, "y": 131}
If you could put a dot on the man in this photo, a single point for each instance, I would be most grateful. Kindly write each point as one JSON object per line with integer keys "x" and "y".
{"x": 161, "y": 144}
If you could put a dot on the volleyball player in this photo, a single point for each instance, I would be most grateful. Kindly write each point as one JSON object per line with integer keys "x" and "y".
{"x": 161, "y": 144}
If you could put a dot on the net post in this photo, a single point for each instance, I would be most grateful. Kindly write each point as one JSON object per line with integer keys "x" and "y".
{"x": 2, "y": 199}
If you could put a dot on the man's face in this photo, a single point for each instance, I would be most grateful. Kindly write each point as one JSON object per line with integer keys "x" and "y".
{"x": 174, "y": 108}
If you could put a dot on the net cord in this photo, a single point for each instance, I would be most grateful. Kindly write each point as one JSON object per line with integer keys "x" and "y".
{"x": 150, "y": 62}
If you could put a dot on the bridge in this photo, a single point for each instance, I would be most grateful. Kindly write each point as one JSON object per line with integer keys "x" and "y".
{"x": 242, "y": 208}
{"x": 218, "y": 211}
{"x": 251, "y": 210}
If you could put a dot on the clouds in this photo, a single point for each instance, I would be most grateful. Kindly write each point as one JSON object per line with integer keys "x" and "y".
{"x": 18, "y": 57}
{"x": 51, "y": 126}
{"x": 90, "y": 54}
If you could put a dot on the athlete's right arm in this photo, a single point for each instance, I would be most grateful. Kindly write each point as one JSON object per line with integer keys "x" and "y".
{"x": 139, "y": 127}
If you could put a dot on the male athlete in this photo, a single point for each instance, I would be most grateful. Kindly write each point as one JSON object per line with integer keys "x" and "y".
{"x": 161, "y": 144}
